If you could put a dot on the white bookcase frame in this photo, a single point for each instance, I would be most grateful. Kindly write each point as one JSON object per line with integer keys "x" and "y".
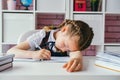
{"x": 66, "y": 9}
{"x": 0, "y": 27}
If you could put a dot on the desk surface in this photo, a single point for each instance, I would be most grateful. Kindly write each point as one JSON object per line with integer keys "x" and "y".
{"x": 54, "y": 71}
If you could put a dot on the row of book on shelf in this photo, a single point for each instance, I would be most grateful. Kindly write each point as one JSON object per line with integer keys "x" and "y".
{"x": 108, "y": 60}
{"x": 6, "y": 62}
{"x": 81, "y": 5}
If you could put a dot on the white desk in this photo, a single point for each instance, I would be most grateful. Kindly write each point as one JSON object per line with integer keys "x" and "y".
{"x": 54, "y": 71}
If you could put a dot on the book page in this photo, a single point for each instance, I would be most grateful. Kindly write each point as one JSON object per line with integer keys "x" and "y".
{"x": 53, "y": 59}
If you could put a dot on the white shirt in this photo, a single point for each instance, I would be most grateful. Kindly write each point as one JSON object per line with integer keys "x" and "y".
{"x": 38, "y": 37}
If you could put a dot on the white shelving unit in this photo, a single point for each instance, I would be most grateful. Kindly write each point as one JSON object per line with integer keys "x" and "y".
{"x": 14, "y": 22}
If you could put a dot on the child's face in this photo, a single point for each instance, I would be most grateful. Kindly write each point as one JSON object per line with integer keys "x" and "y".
{"x": 64, "y": 42}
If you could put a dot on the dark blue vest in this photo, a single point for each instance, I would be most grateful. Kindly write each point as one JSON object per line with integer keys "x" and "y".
{"x": 49, "y": 46}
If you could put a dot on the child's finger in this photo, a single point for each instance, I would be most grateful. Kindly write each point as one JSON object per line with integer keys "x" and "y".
{"x": 44, "y": 56}
{"x": 69, "y": 64}
{"x": 48, "y": 52}
{"x": 73, "y": 66}
{"x": 79, "y": 67}
{"x": 65, "y": 65}
{"x": 48, "y": 55}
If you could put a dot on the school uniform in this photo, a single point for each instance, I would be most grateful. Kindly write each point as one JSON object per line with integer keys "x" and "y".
{"x": 44, "y": 40}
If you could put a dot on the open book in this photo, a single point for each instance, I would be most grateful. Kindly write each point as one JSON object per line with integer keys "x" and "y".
{"x": 53, "y": 59}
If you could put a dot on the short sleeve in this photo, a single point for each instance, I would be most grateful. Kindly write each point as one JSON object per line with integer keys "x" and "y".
{"x": 36, "y": 38}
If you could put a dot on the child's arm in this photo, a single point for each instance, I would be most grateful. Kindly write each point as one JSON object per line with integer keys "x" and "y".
{"x": 21, "y": 51}
{"x": 75, "y": 63}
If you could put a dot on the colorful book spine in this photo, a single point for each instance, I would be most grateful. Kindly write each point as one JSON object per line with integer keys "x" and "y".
{"x": 79, "y": 5}
{"x": 94, "y": 5}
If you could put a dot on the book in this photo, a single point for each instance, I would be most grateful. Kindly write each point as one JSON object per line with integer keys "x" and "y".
{"x": 94, "y": 5}
{"x": 109, "y": 56}
{"x": 108, "y": 60}
{"x": 6, "y": 66}
{"x": 4, "y": 57}
{"x": 6, "y": 61}
{"x": 108, "y": 65}
{"x": 53, "y": 59}
{"x": 79, "y": 5}
{"x": 100, "y": 5}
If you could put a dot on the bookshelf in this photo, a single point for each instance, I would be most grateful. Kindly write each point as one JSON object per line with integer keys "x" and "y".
{"x": 40, "y": 13}
{"x": 105, "y": 23}
{"x": 53, "y": 12}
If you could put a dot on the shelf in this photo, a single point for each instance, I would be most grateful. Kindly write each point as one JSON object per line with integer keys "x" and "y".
{"x": 51, "y": 6}
{"x": 86, "y": 12}
{"x": 17, "y": 21}
{"x": 10, "y": 43}
{"x": 112, "y": 47}
{"x": 112, "y": 12}
{"x": 17, "y": 11}
{"x": 113, "y": 6}
{"x": 59, "y": 12}
{"x": 112, "y": 44}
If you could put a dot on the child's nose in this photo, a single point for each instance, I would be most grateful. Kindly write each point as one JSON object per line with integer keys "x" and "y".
{"x": 64, "y": 49}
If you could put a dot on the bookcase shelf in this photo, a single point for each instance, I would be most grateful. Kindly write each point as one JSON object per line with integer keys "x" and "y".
{"x": 17, "y": 11}
{"x": 53, "y": 12}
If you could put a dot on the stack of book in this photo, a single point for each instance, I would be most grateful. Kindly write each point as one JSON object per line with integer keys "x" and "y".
{"x": 6, "y": 62}
{"x": 109, "y": 60}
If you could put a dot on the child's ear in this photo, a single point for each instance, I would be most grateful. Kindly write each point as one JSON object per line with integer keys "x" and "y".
{"x": 65, "y": 28}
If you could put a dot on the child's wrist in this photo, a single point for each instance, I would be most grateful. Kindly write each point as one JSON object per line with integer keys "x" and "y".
{"x": 76, "y": 54}
{"x": 33, "y": 55}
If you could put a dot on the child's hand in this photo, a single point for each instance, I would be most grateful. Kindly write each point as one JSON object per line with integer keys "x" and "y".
{"x": 75, "y": 63}
{"x": 42, "y": 54}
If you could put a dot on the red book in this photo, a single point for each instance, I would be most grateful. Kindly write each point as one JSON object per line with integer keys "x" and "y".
{"x": 79, "y": 5}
